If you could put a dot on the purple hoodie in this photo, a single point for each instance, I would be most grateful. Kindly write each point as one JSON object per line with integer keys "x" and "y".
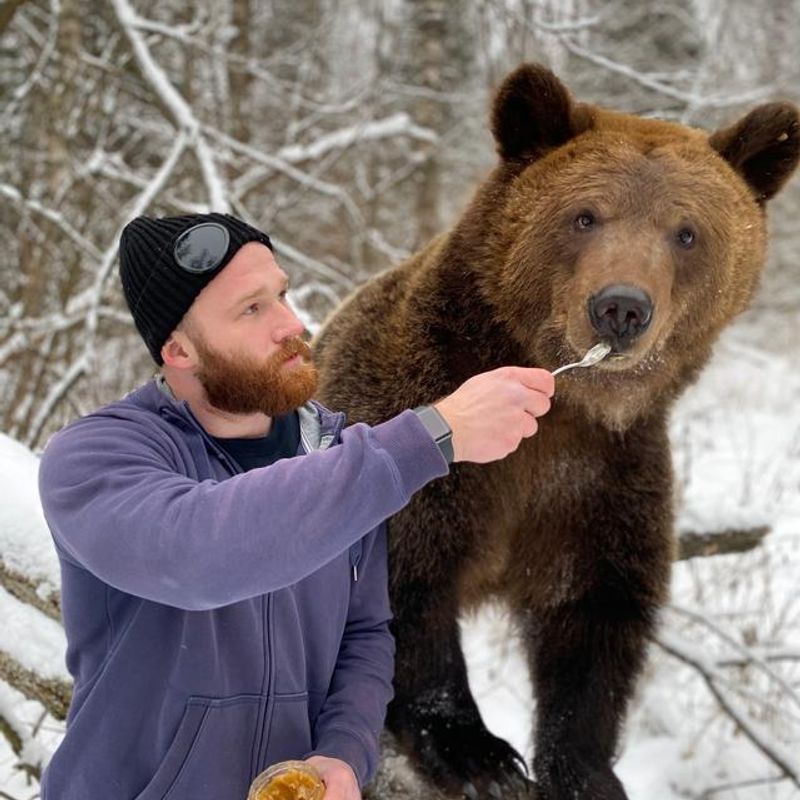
{"x": 220, "y": 622}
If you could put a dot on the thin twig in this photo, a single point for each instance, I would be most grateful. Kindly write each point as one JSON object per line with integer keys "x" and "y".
{"x": 725, "y": 100}
{"x": 750, "y": 728}
{"x": 54, "y": 216}
{"x": 748, "y": 654}
{"x": 181, "y": 111}
{"x": 734, "y": 785}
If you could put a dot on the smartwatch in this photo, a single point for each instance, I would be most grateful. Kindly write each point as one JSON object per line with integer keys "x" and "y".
{"x": 439, "y": 430}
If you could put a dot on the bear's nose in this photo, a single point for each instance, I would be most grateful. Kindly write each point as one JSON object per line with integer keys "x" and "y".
{"x": 620, "y": 313}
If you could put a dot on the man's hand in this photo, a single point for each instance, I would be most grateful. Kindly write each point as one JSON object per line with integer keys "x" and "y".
{"x": 339, "y": 779}
{"x": 491, "y": 413}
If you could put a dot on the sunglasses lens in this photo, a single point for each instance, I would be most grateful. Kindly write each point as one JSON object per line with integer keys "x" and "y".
{"x": 202, "y": 248}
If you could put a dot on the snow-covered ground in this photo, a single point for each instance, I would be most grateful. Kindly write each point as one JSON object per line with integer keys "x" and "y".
{"x": 737, "y": 456}
{"x": 36, "y": 641}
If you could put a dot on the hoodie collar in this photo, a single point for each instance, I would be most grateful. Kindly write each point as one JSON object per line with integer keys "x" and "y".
{"x": 319, "y": 426}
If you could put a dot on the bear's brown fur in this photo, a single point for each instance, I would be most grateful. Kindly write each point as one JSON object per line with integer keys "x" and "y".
{"x": 574, "y": 529}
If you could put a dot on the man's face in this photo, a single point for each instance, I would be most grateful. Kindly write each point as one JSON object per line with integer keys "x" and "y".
{"x": 250, "y": 357}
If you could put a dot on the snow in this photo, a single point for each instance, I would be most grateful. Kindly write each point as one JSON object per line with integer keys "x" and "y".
{"x": 34, "y": 640}
{"x": 25, "y": 543}
{"x": 39, "y": 734}
{"x": 736, "y": 437}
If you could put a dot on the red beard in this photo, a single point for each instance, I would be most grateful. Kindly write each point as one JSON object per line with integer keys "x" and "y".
{"x": 242, "y": 384}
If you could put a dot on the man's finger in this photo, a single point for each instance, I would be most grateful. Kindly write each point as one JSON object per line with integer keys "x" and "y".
{"x": 535, "y": 378}
{"x": 537, "y": 404}
{"x": 529, "y": 425}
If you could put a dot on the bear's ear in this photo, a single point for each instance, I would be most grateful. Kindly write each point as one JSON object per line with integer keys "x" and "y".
{"x": 532, "y": 113}
{"x": 763, "y": 147}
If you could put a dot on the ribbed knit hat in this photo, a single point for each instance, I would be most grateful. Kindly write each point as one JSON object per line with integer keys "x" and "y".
{"x": 157, "y": 288}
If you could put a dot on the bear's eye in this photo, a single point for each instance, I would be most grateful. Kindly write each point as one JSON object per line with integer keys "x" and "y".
{"x": 686, "y": 237}
{"x": 585, "y": 221}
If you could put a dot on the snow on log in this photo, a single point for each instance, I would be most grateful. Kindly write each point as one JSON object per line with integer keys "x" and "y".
{"x": 28, "y": 564}
{"x": 32, "y": 648}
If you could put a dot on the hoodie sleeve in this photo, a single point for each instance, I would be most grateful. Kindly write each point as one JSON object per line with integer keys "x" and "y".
{"x": 351, "y": 719}
{"x": 116, "y": 505}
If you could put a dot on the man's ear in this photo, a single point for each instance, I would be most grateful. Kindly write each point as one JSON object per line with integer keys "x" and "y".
{"x": 178, "y": 351}
{"x": 532, "y": 113}
{"x": 763, "y": 147}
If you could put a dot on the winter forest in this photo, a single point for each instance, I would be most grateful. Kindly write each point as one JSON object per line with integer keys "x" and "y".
{"x": 353, "y": 131}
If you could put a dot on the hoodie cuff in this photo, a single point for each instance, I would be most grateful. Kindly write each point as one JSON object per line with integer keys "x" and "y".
{"x": 416, "y": 455}
{"x": 347, "y": 747}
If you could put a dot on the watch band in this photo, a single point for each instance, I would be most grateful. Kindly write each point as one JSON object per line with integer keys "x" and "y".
{"x": 437, "y": 427}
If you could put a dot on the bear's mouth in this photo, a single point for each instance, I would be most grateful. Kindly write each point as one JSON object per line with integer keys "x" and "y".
{"x": 617, "y": 355}
{"x": 617, "y": 362}
{"x": 635, "y": 364}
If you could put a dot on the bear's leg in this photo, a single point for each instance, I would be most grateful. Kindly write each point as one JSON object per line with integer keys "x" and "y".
{"x": 585, "y": 658}
{"x": 434, "y": 715}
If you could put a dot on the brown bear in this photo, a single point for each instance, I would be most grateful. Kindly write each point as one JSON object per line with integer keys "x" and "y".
{"x": 594, "y": 226}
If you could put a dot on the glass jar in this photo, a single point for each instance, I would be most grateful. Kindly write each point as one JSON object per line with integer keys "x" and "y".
{"x": 287, "y": 780}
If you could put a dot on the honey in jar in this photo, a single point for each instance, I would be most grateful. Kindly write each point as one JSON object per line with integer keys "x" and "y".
{"x": 287, "y": 780}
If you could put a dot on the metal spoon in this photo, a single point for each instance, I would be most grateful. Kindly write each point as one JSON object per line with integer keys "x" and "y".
{"x": 592, "y": 357}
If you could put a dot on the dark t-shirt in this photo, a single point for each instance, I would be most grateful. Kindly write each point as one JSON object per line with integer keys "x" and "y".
{"x": 282, "y": 441}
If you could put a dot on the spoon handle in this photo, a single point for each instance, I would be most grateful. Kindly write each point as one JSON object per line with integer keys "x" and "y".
{"x": 566, "y": 367}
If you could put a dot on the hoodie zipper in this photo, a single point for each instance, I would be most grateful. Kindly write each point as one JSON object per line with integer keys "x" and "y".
{"x": 356, "y": 551}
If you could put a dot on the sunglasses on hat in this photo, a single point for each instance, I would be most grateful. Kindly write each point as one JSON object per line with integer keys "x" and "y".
{"x": 202, "y": 247}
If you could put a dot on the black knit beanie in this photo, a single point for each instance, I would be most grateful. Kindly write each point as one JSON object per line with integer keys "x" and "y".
{"x": 159, "y": 291}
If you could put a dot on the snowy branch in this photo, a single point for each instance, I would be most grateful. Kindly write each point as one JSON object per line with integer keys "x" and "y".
{"x": 32, "y": 648}
{"x": 281, "y": 165}
{"x": 54, "y": 695}
{"x": 577, "y": 24}
{"x": 55, "y": 396}
{"x": 7, "y": 11}
{"x": 181, "y": 111}
{"x": 306, "y": 261}
{"x": 55, "y": 217}
{"x": 13, "y": 345}
{"x": 724, "y": 100}
{"x": 110, "y": 170}
{"x": 29, "y": 590}
{"x": 251, "y": 66}
{"x": 739, "y": 785}
{"x": 751, "y": 728}
{"x": 312, "y": 264}
{"x": 749, "y": 655}
{"x": 44, "y": 57}
{"x": 23, "y": 745}
{"x": 396, "y": 125}
{"x": 139, "y": 207}
{"x": 730, "y": 540}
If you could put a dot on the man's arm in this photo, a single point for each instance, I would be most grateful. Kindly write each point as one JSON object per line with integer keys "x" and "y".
{"x": 352, "y": 716}
{"x": 117, "y": 506}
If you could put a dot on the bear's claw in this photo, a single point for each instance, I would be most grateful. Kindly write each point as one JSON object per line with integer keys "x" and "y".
{"x": 470, "y": 762}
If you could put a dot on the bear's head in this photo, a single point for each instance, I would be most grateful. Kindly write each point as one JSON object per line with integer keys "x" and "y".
{"x": 645, "y": 234}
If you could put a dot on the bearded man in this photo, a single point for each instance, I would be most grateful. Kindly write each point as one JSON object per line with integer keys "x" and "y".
{"x": 222, "y": 540}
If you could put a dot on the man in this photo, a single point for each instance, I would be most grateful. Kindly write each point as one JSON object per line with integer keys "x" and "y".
{"x": 222, "y": 539}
